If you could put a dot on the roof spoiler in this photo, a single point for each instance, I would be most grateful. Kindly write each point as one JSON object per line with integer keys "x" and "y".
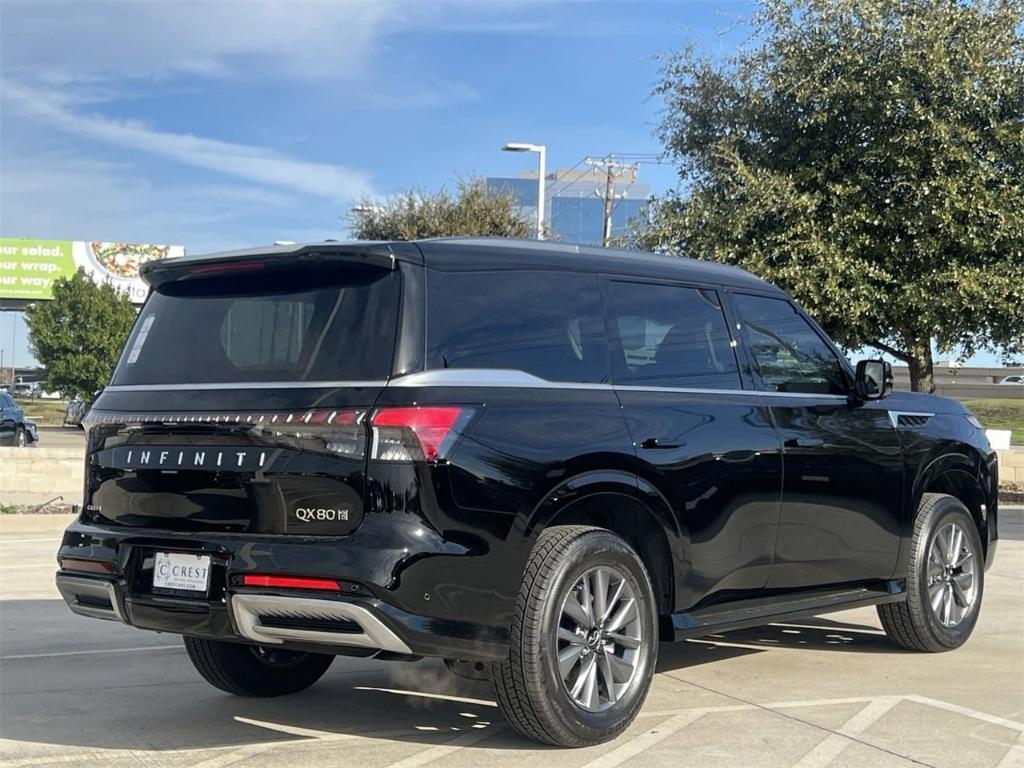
{"x": 369, "y": 254}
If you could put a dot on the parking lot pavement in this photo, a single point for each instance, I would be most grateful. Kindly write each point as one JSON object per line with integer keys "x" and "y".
{"x": 825, "y": 691}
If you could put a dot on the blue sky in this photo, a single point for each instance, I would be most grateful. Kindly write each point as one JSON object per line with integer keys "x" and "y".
{"x": 223, "y": 124}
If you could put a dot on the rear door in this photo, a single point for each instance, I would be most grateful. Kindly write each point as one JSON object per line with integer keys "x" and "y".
{"x": 706, "y": 443}
{"x": 239, "y": 402}
{"x": 843, "y": 467}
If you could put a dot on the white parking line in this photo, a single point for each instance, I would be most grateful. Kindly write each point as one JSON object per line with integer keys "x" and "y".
{"x": 443, "y": 750}
{"x": 835, "y": 743}
{"x": 14, "y": 657}
{"x": 646, "y": 740}
{"x": 1014, "y": 757}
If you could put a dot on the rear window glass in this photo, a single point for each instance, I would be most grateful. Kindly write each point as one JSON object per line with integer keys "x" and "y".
{"x": 545, "y": 323}
{"x": 317, "y": 325}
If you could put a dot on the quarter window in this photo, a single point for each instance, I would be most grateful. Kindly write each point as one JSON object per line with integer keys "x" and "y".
{"x": 672, "y": 336}
{"x": 789, "y": 353}
{"x": 545, "y": 323}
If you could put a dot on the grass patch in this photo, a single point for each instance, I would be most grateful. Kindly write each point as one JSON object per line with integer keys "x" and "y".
{"x": 45, "y": 413}
{"x": 1000, "y": 413}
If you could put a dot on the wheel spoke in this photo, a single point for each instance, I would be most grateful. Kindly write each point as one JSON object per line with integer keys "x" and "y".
{"x": 936, "y": 593}
{"x": 581, "y": 678}
{"x": 604, "y": 668}
{"x": 624, "y": 640}
{"x": 960, "y": 591}
{"x": 570, "y": 637}
{"x": 947, "y": 605}
{"x": 587, "y": 601}
{"x": 567, "y": 659}
{"x": 575, "y": 611}
{"x": 966, "y": 557}
{"x": 956, "y": 542}
{"x": 623, "y": 616}
{"x": 613, "y": 600}
{"x": 600, "y": 591}
{"x": 621, "y": 670}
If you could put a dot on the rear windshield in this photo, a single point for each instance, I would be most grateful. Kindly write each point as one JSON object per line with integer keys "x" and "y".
{"x": 315, "y": 325}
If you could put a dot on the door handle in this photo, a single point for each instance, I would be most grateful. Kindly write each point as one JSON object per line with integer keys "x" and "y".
{"x": 653, "y": 444}
{"x": 804, "y": 442}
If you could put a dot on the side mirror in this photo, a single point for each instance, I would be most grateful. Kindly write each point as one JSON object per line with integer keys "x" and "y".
{"x": 874, "y": 379}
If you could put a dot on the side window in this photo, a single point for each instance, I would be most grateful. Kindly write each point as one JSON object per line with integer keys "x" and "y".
{"x": 672, "y": 336}
{"x": 788, "y": 352}
{"x": 545, "y": 323}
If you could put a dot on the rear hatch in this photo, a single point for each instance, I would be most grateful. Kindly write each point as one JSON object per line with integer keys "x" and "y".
{"x": 241, "y": 397}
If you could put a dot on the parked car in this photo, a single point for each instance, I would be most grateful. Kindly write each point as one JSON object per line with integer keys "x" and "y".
{"x": 74, "y": 412}
{"x": 1015, "y": 379}
{"x": 15, "y": 428}
{"x": 25, "y": 389}
{"x": 530, "y": 459}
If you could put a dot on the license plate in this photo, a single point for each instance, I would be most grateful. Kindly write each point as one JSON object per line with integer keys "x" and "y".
{"x": 181, "y": 572}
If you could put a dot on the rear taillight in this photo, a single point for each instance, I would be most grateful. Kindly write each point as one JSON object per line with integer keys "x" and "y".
{"x": 289, "y": 582}
{"x": 424, "y": 433}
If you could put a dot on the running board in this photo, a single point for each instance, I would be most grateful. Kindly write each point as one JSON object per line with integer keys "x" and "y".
{"x": 765, "y": 610}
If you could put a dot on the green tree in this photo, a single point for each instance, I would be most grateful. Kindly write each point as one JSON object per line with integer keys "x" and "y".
{"x": 414, "y": 214}
{"x": 868, "y": 156}
{"x": 78, "y": 335}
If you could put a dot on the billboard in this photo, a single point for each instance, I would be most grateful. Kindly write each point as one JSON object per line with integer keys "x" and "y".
{"x": 29, "y": 267}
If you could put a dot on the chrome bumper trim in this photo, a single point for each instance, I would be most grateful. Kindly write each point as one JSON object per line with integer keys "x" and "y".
{"x": 73, "y": 587}
{"x": 246, "y": 609}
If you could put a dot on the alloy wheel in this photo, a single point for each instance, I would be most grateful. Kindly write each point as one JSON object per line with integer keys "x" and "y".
{"x": 599, "y": 639}
{"x": 951, "y": 575}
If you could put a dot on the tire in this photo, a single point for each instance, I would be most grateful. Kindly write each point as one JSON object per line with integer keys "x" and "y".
{"x": 19, "y": 438}
{"x": 915, "y": 624}
{"x": 542, "y": 701}
{"x": 248, "y": 670}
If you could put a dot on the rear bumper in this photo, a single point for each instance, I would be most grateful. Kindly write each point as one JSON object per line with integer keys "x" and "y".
{"x": 360, "y": 620}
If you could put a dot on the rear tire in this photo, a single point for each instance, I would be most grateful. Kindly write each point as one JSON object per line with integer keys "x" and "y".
{"x": 248, "y": 670}
{"x": 945, "y": 580}
{"x": 584, "y": 640}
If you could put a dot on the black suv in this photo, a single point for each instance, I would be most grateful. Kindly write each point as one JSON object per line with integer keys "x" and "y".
{"x": 529, "y": 459}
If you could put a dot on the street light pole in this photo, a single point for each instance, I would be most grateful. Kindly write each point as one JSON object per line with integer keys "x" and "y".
{"x": 541, "y": 151}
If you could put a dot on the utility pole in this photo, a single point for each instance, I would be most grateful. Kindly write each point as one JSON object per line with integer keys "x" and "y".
{"x": 612, "y": 170}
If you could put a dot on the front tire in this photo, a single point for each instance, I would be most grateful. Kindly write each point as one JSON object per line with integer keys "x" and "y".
{"x": 945, "y": 580}
{"x": 249, "y": 670}
{"x": 583, "y": 643}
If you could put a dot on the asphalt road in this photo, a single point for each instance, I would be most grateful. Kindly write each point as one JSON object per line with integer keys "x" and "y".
{"x": 826, "y": 691}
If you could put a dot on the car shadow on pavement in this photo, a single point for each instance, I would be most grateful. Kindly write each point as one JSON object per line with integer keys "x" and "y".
{"x": 811, "y": 634}
{"x": 154, "y": 701}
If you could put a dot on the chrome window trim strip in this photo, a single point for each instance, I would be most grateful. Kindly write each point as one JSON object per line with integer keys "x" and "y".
{"x": 242, "y": 385}
{"x": 508, "y": 378}
{"x": 466, "y": 378}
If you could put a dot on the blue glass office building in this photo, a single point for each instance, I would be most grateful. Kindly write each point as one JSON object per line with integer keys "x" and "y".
{"x": 575, "y": 203}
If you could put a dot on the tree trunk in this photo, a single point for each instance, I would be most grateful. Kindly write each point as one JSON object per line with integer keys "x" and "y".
{"x": 919, "y": 353}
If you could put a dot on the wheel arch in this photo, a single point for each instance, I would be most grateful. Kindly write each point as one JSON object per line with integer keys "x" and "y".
{"x": 964, "y": 477}
{"x": 630, "y": 507}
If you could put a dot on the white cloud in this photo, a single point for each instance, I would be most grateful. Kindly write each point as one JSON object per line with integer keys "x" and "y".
{"x": 65, "y": 196}
{"x": 66, "y": 41}
{"x": 243, "y": 161}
